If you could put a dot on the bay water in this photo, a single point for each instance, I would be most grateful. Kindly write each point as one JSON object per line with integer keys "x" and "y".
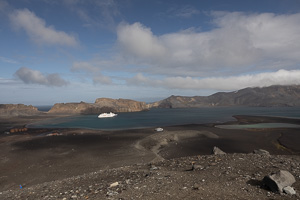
{"x": 165, "y": 117}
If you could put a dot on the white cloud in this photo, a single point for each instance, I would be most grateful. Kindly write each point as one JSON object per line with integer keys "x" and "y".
{"x": 280, "y": 77}
{"x": 30, "y": 76}
{"x": 138, "y": 40}
{"x": 37, "y": 30}
{"x": 240, "y": 43}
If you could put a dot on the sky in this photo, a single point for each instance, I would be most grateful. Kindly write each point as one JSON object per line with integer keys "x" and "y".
{"x": 58, "y": 51}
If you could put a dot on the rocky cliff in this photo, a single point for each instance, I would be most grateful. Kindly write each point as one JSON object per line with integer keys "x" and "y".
{"x": 70, "y": 108}
{"x": 18, "y": 110}
{"x": 266, "y": 96}
{"x": 100, "y": 105}
{"x": 121, "y": 105}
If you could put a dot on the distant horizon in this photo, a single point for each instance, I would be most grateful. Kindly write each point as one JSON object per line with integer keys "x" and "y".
{"x": 72, "y": 51}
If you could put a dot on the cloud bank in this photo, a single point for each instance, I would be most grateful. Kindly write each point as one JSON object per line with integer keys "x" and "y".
{"x": 30, "y": 76}
{"x": 280, "y": 77}
{"x": 242, "y": 50}
{"x": 37, "y": 30}
{"x": 239, "y": 43}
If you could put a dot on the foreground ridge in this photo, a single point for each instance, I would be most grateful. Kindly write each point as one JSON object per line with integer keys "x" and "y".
{"x": 230, "y": 176}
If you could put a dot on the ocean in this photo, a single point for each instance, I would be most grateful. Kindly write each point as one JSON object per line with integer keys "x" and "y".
{"x": 165, "y": 117}
{"x": 44, "y": 108}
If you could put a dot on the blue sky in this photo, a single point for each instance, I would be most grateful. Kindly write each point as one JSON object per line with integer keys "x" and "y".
{"x": 79, "y": 50}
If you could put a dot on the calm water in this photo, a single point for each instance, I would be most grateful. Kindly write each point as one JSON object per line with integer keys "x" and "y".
{"x": 44, "y": 108}
{"x": 166, "y": 117}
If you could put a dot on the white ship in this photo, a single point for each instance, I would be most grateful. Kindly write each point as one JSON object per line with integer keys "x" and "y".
{"x": 105, "y": 115}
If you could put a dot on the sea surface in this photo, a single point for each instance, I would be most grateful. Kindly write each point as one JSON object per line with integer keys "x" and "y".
{"x": 165, "y": 117}
{"x": 44, "y": 108}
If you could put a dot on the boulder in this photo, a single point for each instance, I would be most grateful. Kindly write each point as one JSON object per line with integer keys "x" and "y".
{"x": 218, "y": 151}
{"x": 279, "y": 180}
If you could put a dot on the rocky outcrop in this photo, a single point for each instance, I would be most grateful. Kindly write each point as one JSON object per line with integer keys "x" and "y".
{"x": 101, "y": 105}
{"x": 69, "y": 108}
{"x": 261, "y": 97}
{"x": 18, "y": 110}
{"x": 121, "y": 105}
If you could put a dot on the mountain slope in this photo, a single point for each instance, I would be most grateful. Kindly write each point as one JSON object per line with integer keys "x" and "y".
{"x": 267, "y": 97}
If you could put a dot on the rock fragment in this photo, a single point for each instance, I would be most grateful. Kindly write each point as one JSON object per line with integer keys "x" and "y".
{"x": 114, "y": 184}
{"x": 289, "y": 190}
{"x": 195, "y": 166}
{"x": 196, "y": 186}
{"x": 218, "y": 151}
{"x": 261, "y": 152}
{"x": 279, "y": 180}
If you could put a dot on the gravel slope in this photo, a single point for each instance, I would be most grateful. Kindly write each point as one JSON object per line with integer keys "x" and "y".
{"x": 230, "y": 176}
